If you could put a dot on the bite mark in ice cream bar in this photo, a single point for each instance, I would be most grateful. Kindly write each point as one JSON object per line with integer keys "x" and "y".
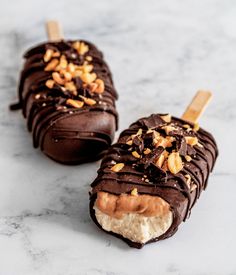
{"x": 67, "y": 94}
{"x": 151, "y": 178}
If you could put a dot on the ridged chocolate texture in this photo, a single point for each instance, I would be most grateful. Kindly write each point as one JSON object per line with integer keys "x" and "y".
{"x": 181, "y": 190}
{"x": 65, "y": 132}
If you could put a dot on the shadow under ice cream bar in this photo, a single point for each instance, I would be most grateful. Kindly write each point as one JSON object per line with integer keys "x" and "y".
{"x": 151, "y": 178}
{"x": 68, "y": 97}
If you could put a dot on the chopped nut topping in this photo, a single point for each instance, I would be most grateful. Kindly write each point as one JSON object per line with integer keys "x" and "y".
{"x": 56, "y": 54}
{"x": 134, "y": 192}
{"x": 160, "y": 160}
{"x": 200, "y": 145}
{"x": 67, "y": 76}
{"x": 188, "y": 177}
{"x": 139, "y": 133}
{"x": 63, "y": 62}
{"x": 165, "y": 166}
{"x": 117, "y": 167}
{"x": 168, "y": 129}
{"x": 71, "y": 68}
{"x": 100, "y": 86}
{"x": 89, "y": 58}
{"x": 76, "y": 45}
{"x": 87, "y": 68}
{"x": 149, "y": 131}
{"x": 191, "y": 140}
{"x": 57, "y": 78}
{"x": 147, "y": 151}
{"x": 81, "y": 47}
{"x": 187, "y": 126}
{"x": 64, "y": 73}
{"x": 77, "y": 73}
{"x": 71, "y": 87}
{"x": 75, "y": 103}
{"x": 129, "y": 142}
{"x": 92, "y": 87}
{"x": 136, "y": 154}
{"x": 166, "y": 154}
{"x": 88, "y": 78}
{"x": 88, "y": 101}
{"x": 51, "y": 65}
{"x": 193, "y": 187}
{"x": 50, "y": 83}
{"x": 48, "y": 55}
{"x": 166, "y": 118}
{"x": 188, "y": 158}
{"x": 156, "y": 134}
{"x": 175, "y": 163}
{"x": 164, "y": 142}
{"x": 37, "y": 96}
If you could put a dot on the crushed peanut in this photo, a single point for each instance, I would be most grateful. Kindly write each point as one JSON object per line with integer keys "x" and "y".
{"x": 164, "y": 142}
{"x": 64, "y": 72}
{"x": 92, "y": 87}
{"x": 88, "y": 101}
{"x": 147, "y": 151}
{"x": 160, "y": 160}
{"x": 75, "y": 103}
{"x": 134, "y": 192}
{"x": 188, "y": 158}
{"x": 175, "y": 162}
{"x": 100, "y": 86}
{"x": 71, "y": 87}
{"x": 139, "y": 133}
{"x": 166, "y": 118}
{"x": 191, "y": 140}
{"x": 51, "y": 65}
{"x": 50, "y": 83}
{"x": 48, "y": 55}
{"x": 88, "y": 78}
{"x": 57, "y": 78}
{"x": 89, "y": 58}
{"x": 194, "y": 186}
{"x": 117, "y": 167}
{"x": 200, "y": 145}
{"x": 136, "y": 154}
{"x": 168, "y": 129}
{"x": 188, "y": 177}
{"x": 129, "y": 142}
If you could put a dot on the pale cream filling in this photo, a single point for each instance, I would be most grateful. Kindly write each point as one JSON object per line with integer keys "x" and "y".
{"x": 136, "y": 227}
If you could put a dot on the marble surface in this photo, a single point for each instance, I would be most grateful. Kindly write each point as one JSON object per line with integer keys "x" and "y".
{"x": 160, "y": 52}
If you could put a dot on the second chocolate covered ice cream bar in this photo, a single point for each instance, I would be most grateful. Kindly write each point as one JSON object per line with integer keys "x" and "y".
{"x": 68, "y": 97}
{"x": 151, "y": 178}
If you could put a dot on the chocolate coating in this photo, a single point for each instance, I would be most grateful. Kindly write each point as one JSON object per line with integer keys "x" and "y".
{"x": 173, "y": 188}
{"x": 64, "y": 133}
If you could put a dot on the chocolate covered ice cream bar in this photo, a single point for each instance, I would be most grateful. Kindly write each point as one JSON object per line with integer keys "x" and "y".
{"x": 151, "y": 178}
{"x": 68, "y": 97}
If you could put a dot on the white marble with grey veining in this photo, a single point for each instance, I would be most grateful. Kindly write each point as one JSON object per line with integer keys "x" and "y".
{"x": 160, "y": 52}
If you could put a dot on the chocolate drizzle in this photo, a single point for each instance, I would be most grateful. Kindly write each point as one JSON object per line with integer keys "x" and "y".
{"x": 63, "y": 132}
{"x": 181, "y": 189}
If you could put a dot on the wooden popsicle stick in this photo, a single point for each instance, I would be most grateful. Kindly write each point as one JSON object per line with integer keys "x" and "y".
{"x": 54, "y": 31}
{"x": 197, "y": 106}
